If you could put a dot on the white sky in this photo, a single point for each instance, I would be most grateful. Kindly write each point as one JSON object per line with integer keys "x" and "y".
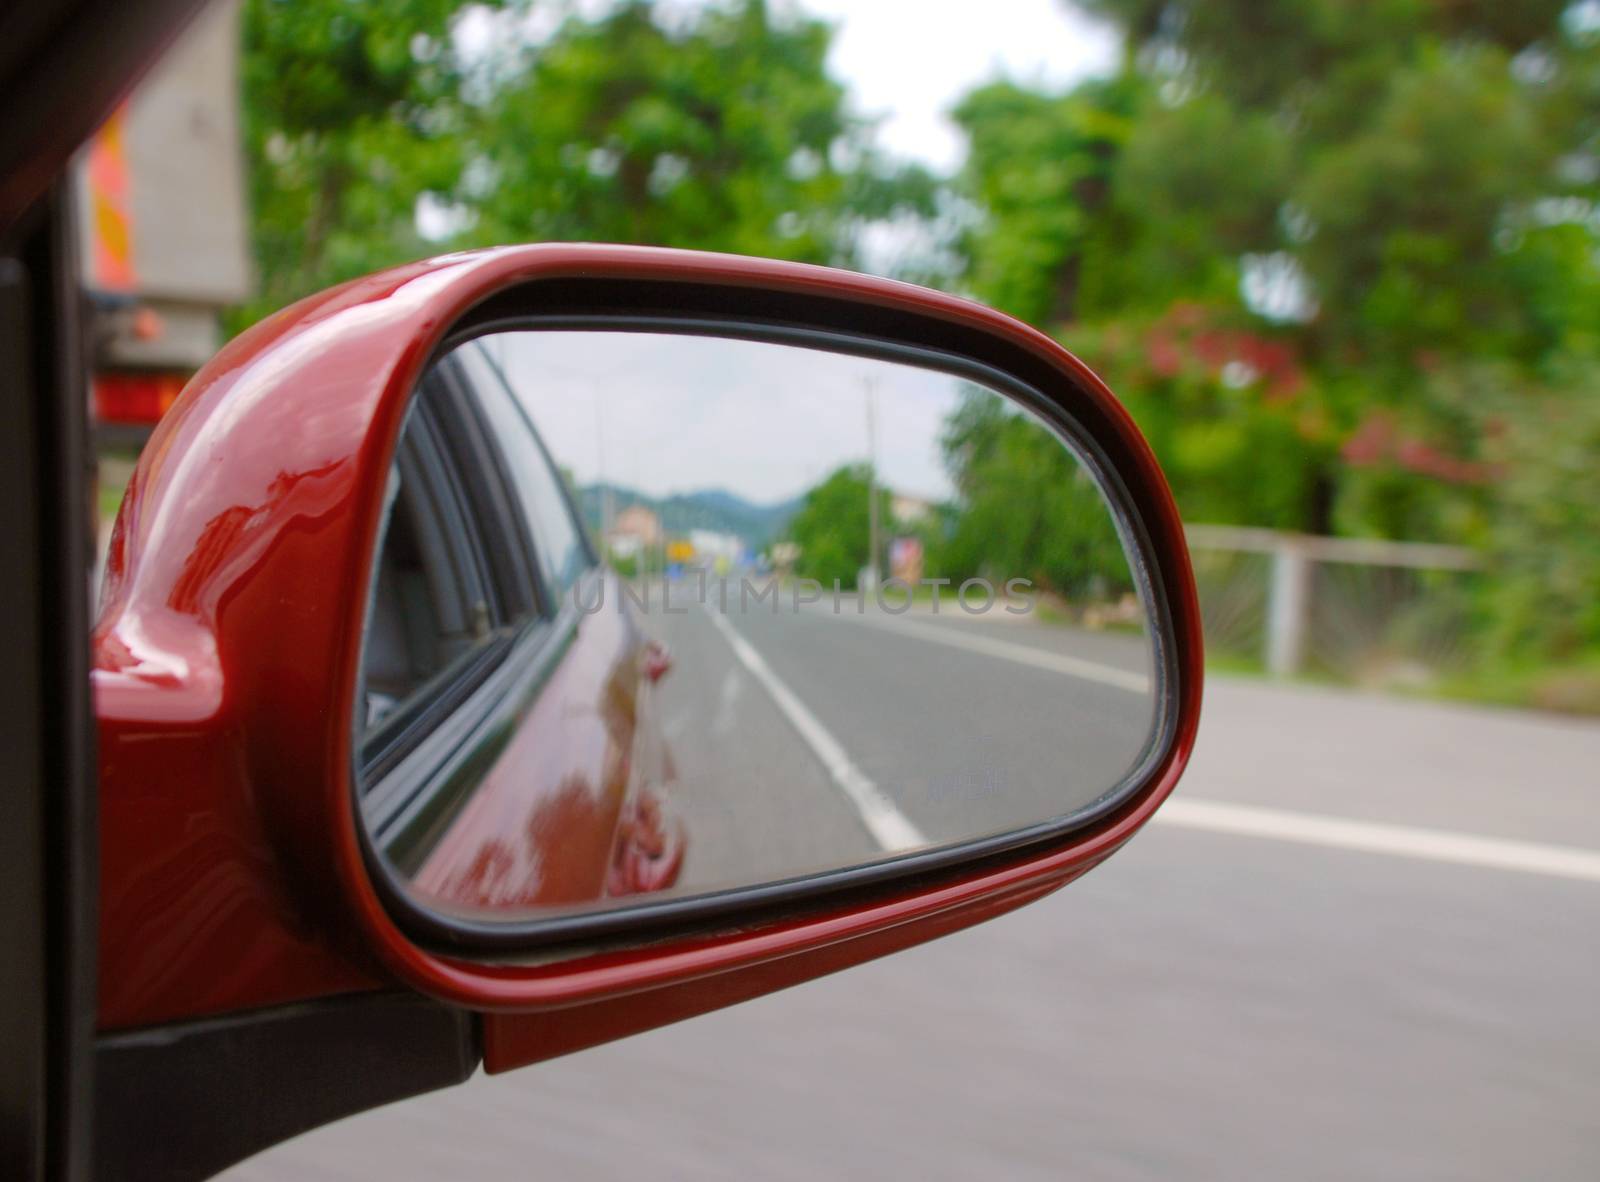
{"x": 671, "y": 414}
{"x": 911, "y": 60}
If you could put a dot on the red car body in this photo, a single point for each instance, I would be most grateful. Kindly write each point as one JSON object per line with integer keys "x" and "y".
{"x": 573, "y": 811}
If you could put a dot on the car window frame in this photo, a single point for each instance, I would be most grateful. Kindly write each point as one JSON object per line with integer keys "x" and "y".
{"x": 489, "y": 489}
{"x": 453, "y": 357}
{"x": 434, "y": 493}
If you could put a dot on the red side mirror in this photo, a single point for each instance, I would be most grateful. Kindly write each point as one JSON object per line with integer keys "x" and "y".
{"x": 239, "y": 864}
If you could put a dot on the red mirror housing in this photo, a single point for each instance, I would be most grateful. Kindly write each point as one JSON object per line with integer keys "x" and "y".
{"x": 228, "y": 644}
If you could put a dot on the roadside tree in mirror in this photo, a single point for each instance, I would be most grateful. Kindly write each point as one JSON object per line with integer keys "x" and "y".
{"x": 570, "y": 639}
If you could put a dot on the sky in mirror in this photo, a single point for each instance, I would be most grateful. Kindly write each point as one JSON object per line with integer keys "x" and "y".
{"x": 667, "y": 414}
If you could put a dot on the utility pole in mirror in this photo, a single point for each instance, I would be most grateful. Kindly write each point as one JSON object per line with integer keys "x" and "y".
{"x": 600, "y": 474}
{"x": 872, "y": 487}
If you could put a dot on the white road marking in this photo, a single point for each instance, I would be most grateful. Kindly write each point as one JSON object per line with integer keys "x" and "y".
{"x": 727, "y": 705}
{"x": 1406, "y": 841}
{"x": 1022, "y": 654}
{"x": 889, "y": 827}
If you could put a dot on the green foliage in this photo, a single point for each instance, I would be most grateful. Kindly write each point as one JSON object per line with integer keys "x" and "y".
{"x": 1040, "y": 170}
{"x": 1310, "y": 243}
{"x": 1024, "y": 508}
{"x": 833, "y": 527}
{"x": 1195, "y": 186}
{"x": 1543, "y": 540}
{"x": 727, "y": 134}
{"x": 1323, "y": 55}
{"x": 724, "y": 132}
{"x": 348, "y": 113}
{"x": 1242, "y": 446}
{"x": 1406, "y": 254}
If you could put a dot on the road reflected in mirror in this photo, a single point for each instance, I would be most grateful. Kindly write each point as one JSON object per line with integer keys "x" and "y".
{"x": 665, "y": 616}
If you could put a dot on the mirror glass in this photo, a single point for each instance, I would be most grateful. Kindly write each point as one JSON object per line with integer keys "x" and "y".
{"x": 659, "y": 616}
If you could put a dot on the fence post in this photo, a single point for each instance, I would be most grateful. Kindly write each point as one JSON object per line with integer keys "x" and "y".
{"x": 1288, "y": 607}
{"x": 1294, "y": 560}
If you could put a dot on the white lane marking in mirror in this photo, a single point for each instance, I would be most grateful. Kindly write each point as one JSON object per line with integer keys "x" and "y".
{"x": 1110, "y": 675}
{"x": 723, "y": 721}
{"x": 889, "y": 827}
{"x": 1407, "y": 841}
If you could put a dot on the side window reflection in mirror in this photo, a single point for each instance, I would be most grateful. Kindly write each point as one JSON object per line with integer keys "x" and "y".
{"x": 564, "y": 553}
{"x": 437, "y": 616}
{"x": 403, "y": 645}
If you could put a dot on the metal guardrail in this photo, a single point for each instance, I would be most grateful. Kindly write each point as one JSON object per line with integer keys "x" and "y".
{"x": 1293, "y": 558}
{"x": 1362, "y": 551}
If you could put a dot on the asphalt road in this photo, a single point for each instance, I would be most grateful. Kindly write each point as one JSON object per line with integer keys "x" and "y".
{"x": 1321, "y": 969}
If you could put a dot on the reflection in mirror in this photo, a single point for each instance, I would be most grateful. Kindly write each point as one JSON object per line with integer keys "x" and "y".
{"x": 657, "y": 616}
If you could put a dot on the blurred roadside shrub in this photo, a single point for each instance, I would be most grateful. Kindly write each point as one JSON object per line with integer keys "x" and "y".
{"x": 1544, "y": 528}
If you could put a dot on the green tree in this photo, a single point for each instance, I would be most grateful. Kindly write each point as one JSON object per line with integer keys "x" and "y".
{"x": 1039, "y": 169}
{"x": 1279, "y": 225}
{"x": 1119, "y": 222}
{"x": 725, "y": 133}
{"x": 1340, "y": 261}
{"x": 833, "y": 527}
{"x": 1025, "y": 507}
{"x": 351, "y": 112}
